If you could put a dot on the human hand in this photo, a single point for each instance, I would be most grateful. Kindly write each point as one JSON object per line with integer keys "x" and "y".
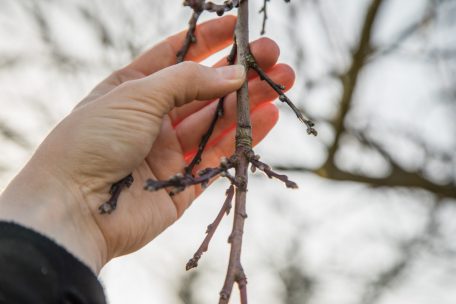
{"x": 148, "y": 119}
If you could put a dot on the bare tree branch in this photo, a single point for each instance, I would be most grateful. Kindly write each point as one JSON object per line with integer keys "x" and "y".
{"x": 190, "y": 36}
{"x": 397, "y": 178}
{"x": 14, "y": 136}
{"x": 199, "y": 6}
{"x": 282, "y": 97}
{"x": 218, "y": 114}
{"x": 179, "y": 182}
{"x": 193, "y": 262}
{"x": 110, "y": 205}
{"x": 264, "y": 11}
{"x": 235, "y": 271}
{"x": 350, "y": 77}
{"x": 256, "y": 163}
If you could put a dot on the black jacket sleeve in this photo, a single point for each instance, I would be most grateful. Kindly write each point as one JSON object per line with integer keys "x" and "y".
{"x": 34, "y": 269}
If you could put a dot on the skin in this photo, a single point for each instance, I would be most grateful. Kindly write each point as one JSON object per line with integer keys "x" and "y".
{"x": 146, "y": 118}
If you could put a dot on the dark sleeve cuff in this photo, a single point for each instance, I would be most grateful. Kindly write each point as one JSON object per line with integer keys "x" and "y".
{"x": 34, "y": 269}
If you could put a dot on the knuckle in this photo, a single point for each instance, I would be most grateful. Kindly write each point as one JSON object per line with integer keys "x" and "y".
{"x": 191, "y": 69}
{"x": 127, "y": 86}
{"x": 125, "y": 74}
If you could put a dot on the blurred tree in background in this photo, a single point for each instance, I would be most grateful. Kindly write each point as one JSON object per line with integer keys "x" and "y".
{"x": 373, "y": 220}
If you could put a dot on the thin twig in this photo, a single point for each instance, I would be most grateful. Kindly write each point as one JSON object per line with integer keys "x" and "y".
{"x": 193, "y": 262}
{"x": 116, "y": 188}
{"x": 179, "y": 182}
{"x": 257, "y": 164}
{"x": 282, "y": 97}
{"x": 190, "y": 38}
{"x": 264, "y": 10}
{"x": 219, "y": 110}
{"x": 198, "y": 7}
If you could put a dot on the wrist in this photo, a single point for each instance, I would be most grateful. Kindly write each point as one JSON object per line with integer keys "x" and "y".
{"x": 40, "y": 200}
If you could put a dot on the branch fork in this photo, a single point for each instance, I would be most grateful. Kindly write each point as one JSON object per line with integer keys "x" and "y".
{"x": 243, "y": 157}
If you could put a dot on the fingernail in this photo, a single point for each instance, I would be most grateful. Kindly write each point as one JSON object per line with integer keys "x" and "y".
{"x": 232, "y": 72}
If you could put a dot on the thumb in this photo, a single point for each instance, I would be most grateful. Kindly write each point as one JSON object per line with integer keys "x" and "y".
{"x": 182, "y": 83}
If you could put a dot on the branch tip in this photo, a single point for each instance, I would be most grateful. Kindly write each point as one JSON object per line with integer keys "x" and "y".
{"x": 211, "y": 228}
{"x": 265, "y": 168}
{"x": 279, "y": 88}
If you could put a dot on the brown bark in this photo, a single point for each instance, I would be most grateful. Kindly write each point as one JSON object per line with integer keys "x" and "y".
{"x": 235, "y": 271}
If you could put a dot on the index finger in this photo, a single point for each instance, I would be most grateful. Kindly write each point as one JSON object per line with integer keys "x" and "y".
{"x": 211, "y": 37}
